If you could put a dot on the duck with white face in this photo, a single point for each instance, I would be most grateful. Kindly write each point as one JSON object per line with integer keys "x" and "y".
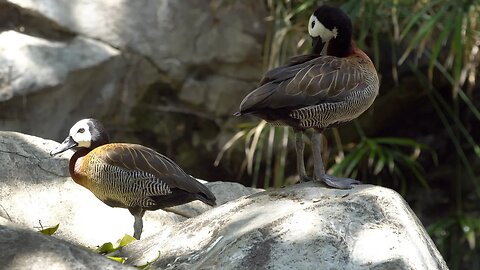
{"x": 332, "y": 85}
{"x": 128, "y": 175}
{"x": 81, "y": 135}
{"x": 320, "y": 35}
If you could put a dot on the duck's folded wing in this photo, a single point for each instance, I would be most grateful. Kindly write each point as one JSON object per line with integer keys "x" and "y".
{"x": 322, "y": 79}
{"x": 288, "y": 70}
{"x": 136, "y": 157}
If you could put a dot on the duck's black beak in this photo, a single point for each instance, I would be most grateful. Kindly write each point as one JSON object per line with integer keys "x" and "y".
{"x": 68, "y": 143}
{"x": 317, "y": 45}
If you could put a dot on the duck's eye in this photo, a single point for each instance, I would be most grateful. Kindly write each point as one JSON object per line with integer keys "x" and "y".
{"x": 81, "y": 130}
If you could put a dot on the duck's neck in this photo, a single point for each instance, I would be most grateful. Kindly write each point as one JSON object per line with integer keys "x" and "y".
{"x": 359, "y": 52}
{"x": 340, "y": 46}
{"x": 75, "y": 166}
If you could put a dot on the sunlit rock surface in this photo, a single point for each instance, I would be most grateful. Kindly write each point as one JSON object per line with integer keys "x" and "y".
{"x": 36, "y": 190}
{"x": 305, "y": 226}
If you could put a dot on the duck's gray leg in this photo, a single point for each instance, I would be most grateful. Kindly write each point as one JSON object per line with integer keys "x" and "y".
{"x": 319, "y": 168}
{"x": 138, "y": 223}
{"x": 299, "y": 147}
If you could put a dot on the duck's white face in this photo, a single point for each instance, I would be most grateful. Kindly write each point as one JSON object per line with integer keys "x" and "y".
{"x": 80, "y": 133}
{"x": 317, "y": 29}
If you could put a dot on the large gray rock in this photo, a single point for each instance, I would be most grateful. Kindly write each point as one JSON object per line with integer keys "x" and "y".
{"x": 167, "y": 74}
{"x": 101, "y": 57}
{"x": 305, "y": 226}
{"x": 35, "y": 190}
{"x": 22, "y": 249}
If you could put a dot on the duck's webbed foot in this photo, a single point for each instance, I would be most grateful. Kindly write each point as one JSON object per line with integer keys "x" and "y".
{"x": 305, "y": 178}
{"x": 338, "y": 182}
{"x": 319, "y": 169}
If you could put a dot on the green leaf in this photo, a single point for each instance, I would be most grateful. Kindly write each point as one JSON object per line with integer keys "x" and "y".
{"x": 469, "y": 103}
{"x": 425, "y": 30}
{"x": 414, "y": 20}
{"x": 390, "y": 161}
{"x": 127, "y": 239}
{"x": 117, "y": 259}
{"x": 50, "y": 231}
{"x": 356, "y": 158}
{"x": 441, "y": 40}
{"x": 457, "y": 49}
{"x": 400, "y": 141}
{"x": 305, "y": 6}
{"x": 106, "y": 248}
{"x": 340, "y": 168}
{"x": 380, "y": 164}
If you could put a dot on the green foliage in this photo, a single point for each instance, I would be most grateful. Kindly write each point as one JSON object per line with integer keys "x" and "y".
{"x": 109, "y": 251}
{"x": 382, "y": 156}
{"x": 262, "y": 142}
{"x": 108, "y": 248}
{"x": 461, "y": 232}
{"x": 50, "y": 230}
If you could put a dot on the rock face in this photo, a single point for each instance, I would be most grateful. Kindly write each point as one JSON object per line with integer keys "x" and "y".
{"x": 159, "y": 69}
{"x": 36, "y": 189}
{"x": 304, "y": 226}
{"x": 21, "y": 249}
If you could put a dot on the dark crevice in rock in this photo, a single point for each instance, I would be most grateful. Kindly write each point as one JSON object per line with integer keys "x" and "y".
{"x": 30, "y": 22}
{"x": 36, "y": 158}
{"x": 50, "y": 172}
{"x": 126, "y": 50}
{"x": 150, "y": 61}
{"x": 17, "y": 154}
{"x": 6, "y": 213}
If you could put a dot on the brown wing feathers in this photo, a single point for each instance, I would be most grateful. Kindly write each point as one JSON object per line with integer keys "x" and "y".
{"x": 309, "y": 83}
{"x": 137, "y": 157}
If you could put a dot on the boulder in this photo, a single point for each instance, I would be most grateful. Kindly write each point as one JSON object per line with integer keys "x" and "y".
{"x": 162, "y": 73}
{"x": 36, "y": 191}
{"x": 21, "y": 248}
{"x": 304, "y": 226}
{"x": 111, "y": 54}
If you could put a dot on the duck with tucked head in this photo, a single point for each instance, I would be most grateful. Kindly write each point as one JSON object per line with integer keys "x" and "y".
{"x": 332, "y": 85}
{"x": 127, "y": 175}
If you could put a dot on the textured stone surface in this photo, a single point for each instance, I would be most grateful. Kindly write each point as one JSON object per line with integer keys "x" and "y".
{"x": 45, "y": 85}
{"x": 21, "y": 249}
{"x": 35, "y": 188}
{"x": 304, "y": 226}
{"x": 129, "y": 48}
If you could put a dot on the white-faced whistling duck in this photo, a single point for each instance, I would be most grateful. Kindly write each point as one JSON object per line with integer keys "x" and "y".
{"x": 332, "y": 85}
{"x": 126, "y": 175}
